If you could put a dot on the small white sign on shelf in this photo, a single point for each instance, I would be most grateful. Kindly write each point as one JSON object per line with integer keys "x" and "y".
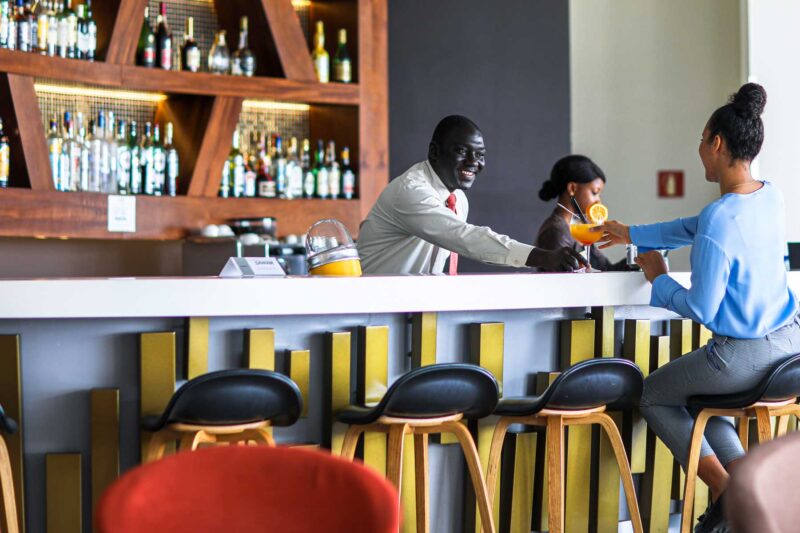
{"x": 251, "y": 267}
{"x": 121, "y": 213}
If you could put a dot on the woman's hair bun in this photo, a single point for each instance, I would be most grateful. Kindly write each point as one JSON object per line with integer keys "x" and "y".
{"x": 749, "y": 101}
{"x": 548, "y": 191}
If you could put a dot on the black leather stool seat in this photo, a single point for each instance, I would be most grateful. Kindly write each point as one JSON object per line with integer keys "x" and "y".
{"x": 430, "y": 392}
{"x": 782, "y": 383}
{"x": 616, "y": 383}
{"x": 7, "y": 424}
{"x": 230, "y": 397}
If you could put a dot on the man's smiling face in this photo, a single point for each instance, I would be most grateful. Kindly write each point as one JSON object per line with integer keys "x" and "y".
{"x": 459, "y": 159}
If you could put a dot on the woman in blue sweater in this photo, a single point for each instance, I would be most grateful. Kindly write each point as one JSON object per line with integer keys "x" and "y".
{"x": 739, "y": 291}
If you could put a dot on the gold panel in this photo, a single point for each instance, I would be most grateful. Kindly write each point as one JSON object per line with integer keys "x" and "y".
{"x": 157, "y": 360}
{"x": 608, "y": 480}
{"x": 486, "y": 347}
{"x": 299, "y": 369}
{"x": 260, "y": 348}
{"x": 543, "y": 380}
{"x": 577, "y": 344}
{"x": 524, "y": 474}
{"x": 105, "y": 441}
{"x": 423, "y": 339}
{"x": 680, "y": 342}
{"x": 11, "y": 400}
{"x": 371, "y": 385}
{"x": 636, "y": 348}
{"x": 700, "y": 335}
{"x": 63, "y": 479}
{"x": 196, "y": 347}
{"x": 337, "y": 387}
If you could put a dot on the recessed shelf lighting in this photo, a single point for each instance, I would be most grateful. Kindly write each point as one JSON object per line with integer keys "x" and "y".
{"x": 277, "y": 106}
{"x": 99, "y": 93}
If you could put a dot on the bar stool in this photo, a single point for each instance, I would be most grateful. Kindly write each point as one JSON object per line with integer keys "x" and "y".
{"x": 580, "y": 395}
{"x": 776, "y": 395}
{"x": 9, "y": 427}
{"x": 431, "y": 399}
{"x": 225, "y": 406}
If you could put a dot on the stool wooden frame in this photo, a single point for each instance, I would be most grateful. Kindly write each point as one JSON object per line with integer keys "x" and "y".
{"x": 555, "y": 421}
{"x": 397, "y": 429}
{"x": 192, "y": 435}
{"x": 761, "y": 411}
{"x": 7, "y": 485}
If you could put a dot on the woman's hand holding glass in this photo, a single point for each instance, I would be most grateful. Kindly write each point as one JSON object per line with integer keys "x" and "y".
{"x": 613, "y": 233}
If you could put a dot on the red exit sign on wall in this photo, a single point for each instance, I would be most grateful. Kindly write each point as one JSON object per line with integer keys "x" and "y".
{"x": 670, "y": 183}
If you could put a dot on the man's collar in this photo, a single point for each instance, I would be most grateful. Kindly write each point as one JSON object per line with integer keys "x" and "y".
{"x": 438, "y": 185}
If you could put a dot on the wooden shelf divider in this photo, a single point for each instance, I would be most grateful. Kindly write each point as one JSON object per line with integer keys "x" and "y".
{"x": 125, "y": 35}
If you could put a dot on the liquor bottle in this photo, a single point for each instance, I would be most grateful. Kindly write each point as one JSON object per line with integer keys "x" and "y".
{"x": 342, "y": 66}
{"x": 23, "y": 28}
{"x": 108, "y": 161}
{"x": 321, "y": 172}
{"x": 294, "y": 172}
{"x": 334, "y": 172}
{"x": 219, "y": 57}
{"x": 54, "y": 149}
{"x": 251, "y": 166}
{"x": 236, "y": 161}
{"x": 146, "y": 160}
{"x": 159, "y": 163}
{"x": 87, "y": 33}
{"x": 85, "y": 170}
{"x": 53, "y": 11}
{"x": 42, "y": 13}
{"x": 163, "y": 39}
{"x": 190, "y": 52}
{"x": 135, "y": 170}
{"x": 279, "y": 168}
{"x": 95, "y": 144}
{"x": 123, "y": 160}
{"x": 6, "y": 14}
{"x": 320, "y": 55}
{"x": 265, "y": 182}
{"x": 33, "y": 27}
{"x": 309, "y": 178}
{"x": 173, "y": 163}
{"x": 69, "y": 166}
{"x": 244, "y": 62}
{"x": 348, "y": 176}
{"x": 67, "y": 31}
{"x": 5, "y": 157}
{"x": 146, "y": 49}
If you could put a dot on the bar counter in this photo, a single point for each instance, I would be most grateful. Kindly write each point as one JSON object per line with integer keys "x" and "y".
{"x": 81, "y": 360}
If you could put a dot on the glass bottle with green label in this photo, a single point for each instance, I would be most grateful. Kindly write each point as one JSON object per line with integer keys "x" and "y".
{"x": 172, "y": 161}
{"x": 159, "y": 163}
{"x": 136, "y": 161}
{"x": 321, "y": 172}
{"x": 146, "y": 49}
{"x": 190, "y": 52}
{"x": 342, "y": 66}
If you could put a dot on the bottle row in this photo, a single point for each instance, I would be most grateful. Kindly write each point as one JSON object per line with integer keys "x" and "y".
{"x": 49, "y": 27}
{"x": 111, "y": 157}
{"x": 265, "y": 169}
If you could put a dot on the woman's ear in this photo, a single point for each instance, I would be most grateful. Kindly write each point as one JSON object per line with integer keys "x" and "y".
{"x": 717, "y": 143}
{"x": 572, "y": 188}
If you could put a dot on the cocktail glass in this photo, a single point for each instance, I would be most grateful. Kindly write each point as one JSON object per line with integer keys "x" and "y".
{"x": 582, "y": 232}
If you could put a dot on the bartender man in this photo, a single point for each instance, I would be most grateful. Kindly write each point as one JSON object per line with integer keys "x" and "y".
{"x": 420, "y": 218}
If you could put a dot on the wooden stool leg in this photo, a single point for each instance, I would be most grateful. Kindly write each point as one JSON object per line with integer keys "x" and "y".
{"x": 744, "y": 431}
{"x": 783, "y": 426}
{"x": 555, "y": 473}
{"x": 475, "y": 472}
{"x": 624, "y": 469}
{"x": 495, "y": 452}
{"x": 421, "y": 478}
{"x": 691, "y": 469}
{"x": 7, "y": 484}
{"x": 764, "y": 425}
{"x": 394, "y": 451}
{"x": 158, "y": 444}
{"x": 351, "y": 441}
{"x": 265, "y": 436}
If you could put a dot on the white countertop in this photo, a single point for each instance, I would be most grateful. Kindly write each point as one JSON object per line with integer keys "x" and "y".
{"x": 183, "y": 297}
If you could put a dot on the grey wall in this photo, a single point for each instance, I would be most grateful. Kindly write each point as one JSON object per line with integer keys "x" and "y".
{"x": 505, "y": 65}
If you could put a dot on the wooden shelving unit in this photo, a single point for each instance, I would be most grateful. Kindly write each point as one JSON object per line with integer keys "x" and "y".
{"x": 205, "y": 109}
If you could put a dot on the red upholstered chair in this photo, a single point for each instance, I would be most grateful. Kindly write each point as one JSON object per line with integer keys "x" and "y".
{"x": 245, "y": 489}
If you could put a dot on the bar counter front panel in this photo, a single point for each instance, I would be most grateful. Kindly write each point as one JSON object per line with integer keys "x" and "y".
{"x": 79, "y": 349}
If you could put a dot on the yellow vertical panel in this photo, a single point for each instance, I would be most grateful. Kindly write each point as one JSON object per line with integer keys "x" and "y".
{"x": 577, "y": 344}
{"x": 196, "y": 347}
{"x": 423, "y": 339}
{"x": 299, "y": 370}
{"x": 260, "y": 348}
{"x": 157, "y": 375}
{"x": 636, "y": 348}
{"x": 657, "y": 479}
{"x": 11, "y": 400}
{"x": 543, "y": 380}
{"x": 63, "y": 480}
{"x": 524, "y": 474}
{"x": 700, "y": 337}
{"x": 373, "y": 378}
{"x": 105, "y": 440}
{"x": 337, "y": 387}
{"x": 607, "y": 489}
{"x": 487, "y": 345}
{"x": 680, "y": 342}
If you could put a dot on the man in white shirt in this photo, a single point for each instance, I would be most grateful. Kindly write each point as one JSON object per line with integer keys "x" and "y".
{"x": 420, "y": 218}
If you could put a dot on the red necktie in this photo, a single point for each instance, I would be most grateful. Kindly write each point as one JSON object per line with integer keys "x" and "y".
{"x": 451, "y": 205}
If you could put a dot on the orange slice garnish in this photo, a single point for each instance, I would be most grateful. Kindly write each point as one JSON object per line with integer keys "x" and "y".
{"x": 598, "y": 213}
